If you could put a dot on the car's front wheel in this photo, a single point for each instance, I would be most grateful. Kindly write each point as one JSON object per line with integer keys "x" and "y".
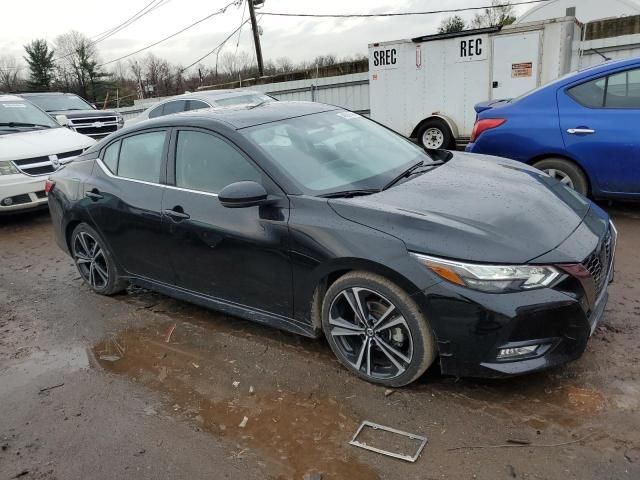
{"x": 94, "y": 261}
{"x": 566, "y": 172}
{"x": 376, "y": 330}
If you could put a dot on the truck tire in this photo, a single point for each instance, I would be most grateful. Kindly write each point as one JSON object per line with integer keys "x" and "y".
{"x": 566, "y": 172}
{"x": 393, "y": 346}
{"x": 435, "y": 134}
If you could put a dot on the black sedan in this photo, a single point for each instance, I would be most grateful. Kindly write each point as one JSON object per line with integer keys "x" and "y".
{"x": 318, "y": 221}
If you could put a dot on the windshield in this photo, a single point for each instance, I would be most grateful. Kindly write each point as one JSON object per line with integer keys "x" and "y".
{"x": 18, "y": 114}
{"x": 243, "y": 100}
{"x": 336, "y": 151}
{"x": 54, "y": 103}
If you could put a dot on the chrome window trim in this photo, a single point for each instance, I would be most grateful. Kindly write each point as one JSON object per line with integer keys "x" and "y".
{"x": 109, "y": 173}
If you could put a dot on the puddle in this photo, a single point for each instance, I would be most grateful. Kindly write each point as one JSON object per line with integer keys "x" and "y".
{"x": 293, "y": 432}
{"x": 538, "y": 402}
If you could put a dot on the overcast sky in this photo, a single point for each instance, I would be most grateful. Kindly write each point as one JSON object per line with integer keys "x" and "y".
{"x": 295, "y": 38}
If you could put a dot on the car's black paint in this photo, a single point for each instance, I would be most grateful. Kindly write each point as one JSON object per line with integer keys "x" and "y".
{"x": 272, "y": 263}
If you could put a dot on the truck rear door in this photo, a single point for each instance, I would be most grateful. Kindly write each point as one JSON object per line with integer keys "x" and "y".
{"x": 515, "y": 60}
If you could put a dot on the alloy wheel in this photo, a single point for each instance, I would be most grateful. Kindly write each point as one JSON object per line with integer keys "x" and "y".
{"x": 91, "y": 261}
{"x": 560, "y": 176}
{"x": 433, "y": 138}
{"x": 370, "y": 333}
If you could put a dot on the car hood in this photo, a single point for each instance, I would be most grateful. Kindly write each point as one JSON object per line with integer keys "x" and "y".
{"x": 39, "y": 143}
{"x": 474, "y": 207}
{"x": 83, "y": 113}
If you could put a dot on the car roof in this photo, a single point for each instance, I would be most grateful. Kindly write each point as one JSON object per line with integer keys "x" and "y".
{"x": 32, "y": 94}
{"x": 216, "y": 94}
{"x": 241, "y": 116}
{"x": 605, "y": 67}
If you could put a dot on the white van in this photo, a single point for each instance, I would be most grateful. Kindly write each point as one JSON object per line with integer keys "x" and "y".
{"x": 32, "y": 146}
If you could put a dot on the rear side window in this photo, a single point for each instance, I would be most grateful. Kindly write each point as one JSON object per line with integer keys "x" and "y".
{"x": 110, "y": 157}
{"x": 207, "y": 163}
{"x": 156, "y": 112}
{"x": 620, "y": 90}
{"x": 141, "y": 156}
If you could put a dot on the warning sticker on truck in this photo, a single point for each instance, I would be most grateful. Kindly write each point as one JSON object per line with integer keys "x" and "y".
{"x": 519, "y": 70}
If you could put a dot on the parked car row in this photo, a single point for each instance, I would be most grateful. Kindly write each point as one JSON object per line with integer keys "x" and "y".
{"x": 32, "y": 144}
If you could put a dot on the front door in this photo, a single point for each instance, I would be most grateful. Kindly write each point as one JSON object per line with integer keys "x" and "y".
{"x": 239, "y": 255}
{"x": 600, "y": 125}
{"x": 514, "y": 64}
{"x": 124, "y": 199}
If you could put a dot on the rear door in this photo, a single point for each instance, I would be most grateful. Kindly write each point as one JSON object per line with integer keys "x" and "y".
{"x": 240, "y": 255}
{"x": 124, "y": 199}
{"x": 515, "y": 60}
{"x": 600, "y": 125}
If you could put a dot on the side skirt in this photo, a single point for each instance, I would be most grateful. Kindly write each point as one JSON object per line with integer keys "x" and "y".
{"x": 258, "y": 316}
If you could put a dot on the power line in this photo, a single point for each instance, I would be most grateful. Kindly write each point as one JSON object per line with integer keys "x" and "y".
{"x": 218, "y": 12}
{"x": 398, "y": 14}
{"x": 123, "y": 24}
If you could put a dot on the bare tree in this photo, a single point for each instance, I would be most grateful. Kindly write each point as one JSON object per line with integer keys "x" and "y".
{"x": 284, "y": 65}
{"x": 502, "y": 13}
{"x": 10, "y": 74}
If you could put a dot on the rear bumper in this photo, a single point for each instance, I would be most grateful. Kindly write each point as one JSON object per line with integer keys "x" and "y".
{"x": 20, "y": 192}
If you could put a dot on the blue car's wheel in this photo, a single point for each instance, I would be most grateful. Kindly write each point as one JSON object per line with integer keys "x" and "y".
{"x": 565, "y": 172}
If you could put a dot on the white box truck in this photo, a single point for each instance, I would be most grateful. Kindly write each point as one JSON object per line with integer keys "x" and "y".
{"x": 426, "y": 87}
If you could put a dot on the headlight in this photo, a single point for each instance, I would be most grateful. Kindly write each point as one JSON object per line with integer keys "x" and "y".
{"x": 120, "y": 120}
{"x": 491, "y": 278}
{"x": 7, "y": 168}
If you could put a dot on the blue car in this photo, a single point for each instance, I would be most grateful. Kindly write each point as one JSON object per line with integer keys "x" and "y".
{"x": 583, "y": 129}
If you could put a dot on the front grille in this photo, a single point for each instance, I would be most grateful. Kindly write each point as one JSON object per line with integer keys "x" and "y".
{"x": 43, "y": 165}
{"x": 41, "y": 194}
{"x": 87, "y": 125}
{"x": 599, "y": 263}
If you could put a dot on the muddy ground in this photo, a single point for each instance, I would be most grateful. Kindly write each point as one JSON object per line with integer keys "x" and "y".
{"x": 107, "y": 388}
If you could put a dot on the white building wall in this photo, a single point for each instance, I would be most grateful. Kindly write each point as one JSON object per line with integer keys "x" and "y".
{"x": 586, "y": 10}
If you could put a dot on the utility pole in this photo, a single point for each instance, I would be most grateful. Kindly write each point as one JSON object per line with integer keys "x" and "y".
{"x": 256, "y": 34}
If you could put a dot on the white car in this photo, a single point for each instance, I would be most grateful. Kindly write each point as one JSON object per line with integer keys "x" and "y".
{"x": 199, "y": 100}
{"x": 32, "y": 146}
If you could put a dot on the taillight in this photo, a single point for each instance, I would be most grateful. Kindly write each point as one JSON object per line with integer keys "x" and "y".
{"x": 48, "y": 186}
{"x": 485, "y": 124}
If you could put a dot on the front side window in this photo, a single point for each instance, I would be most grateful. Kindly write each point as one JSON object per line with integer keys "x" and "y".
{"x": 141, "y": 156}
{"x": 208, "y": 163}
{"x": 335, "y": 151}
{"x": 620, "y": 90}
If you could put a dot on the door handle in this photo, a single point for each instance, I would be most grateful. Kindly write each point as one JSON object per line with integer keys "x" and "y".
{"x": 176, "y": 215}
{"x": 580, "y": 131}
{"x": 94, "y": 194}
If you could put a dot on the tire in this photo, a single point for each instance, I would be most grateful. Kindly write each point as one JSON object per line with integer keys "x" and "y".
{"x": 435, "y": 134}
{"x": 566, "y": 172}
{"x": 94, "y": 261}
{"x": 402, "y": 328}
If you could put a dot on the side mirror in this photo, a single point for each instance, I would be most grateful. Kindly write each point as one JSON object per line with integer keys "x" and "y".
{"x": 243, "y": 194}
{"x": 62, "y": 120}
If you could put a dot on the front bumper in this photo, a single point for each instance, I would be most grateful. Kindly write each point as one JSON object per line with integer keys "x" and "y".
{"x": 473, "y": 327}
{"x": 21, "y": 192}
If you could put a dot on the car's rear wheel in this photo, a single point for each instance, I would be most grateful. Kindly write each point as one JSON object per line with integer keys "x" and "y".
{"x": 376, "y": 330}
{"x": 95, "y": 262}
{"x": 434, "y": 134}
{"x": 566, "y": 172}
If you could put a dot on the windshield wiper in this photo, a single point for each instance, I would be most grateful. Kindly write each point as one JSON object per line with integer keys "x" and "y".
{"x": 22, "y": 124}
{"x": 251, "y": 107}
{"x": 413, "y": 170}
{"x": 351, "y": 193}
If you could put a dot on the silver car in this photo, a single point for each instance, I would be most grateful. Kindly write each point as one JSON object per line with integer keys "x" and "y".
{"x": 199, "y": 100}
